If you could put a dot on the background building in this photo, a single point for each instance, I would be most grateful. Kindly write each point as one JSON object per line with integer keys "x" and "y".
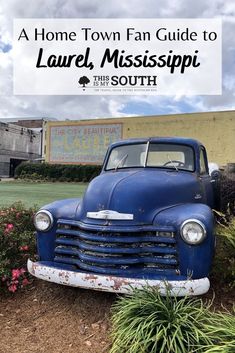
{"x": 17, "y": 144}
{"x": 86, "y": 141}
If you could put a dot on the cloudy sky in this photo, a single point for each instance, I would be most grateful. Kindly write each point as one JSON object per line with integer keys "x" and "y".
{"x": 83, "y": 107}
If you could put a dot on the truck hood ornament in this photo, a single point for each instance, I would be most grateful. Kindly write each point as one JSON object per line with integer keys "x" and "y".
{"x": 109, "y": 214}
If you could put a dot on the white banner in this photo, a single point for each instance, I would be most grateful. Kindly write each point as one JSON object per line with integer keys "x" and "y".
{"x": 117, "y": 56}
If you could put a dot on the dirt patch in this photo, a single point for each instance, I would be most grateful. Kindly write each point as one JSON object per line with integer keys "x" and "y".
{"x": 55, "y": 319}
{"x": 223, "y": 297}
{"x": 52, "y": 318}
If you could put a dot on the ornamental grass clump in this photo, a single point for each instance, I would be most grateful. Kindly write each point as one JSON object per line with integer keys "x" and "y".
{"x": 222, "y": 327}
{"x": 146, "y": 322}
{"x": 17, "y": 243}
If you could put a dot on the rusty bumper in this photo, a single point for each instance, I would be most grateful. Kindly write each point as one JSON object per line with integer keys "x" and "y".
{"x": 116, "y": 284}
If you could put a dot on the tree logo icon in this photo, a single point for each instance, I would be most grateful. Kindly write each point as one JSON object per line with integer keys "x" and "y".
{"x": 83, "y": 81}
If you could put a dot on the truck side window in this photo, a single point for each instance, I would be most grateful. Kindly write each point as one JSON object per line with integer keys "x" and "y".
{"x": 203, "y": 164}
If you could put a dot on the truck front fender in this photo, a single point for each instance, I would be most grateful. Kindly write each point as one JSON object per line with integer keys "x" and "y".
{"x": 177, "y": 214}
{"x": 63, "y": 208}
{"x": 194, "y": 260}
{"x": 46, "y": 240}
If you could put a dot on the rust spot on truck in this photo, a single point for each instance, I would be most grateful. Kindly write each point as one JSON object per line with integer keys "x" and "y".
{"x": 64, "y": 275}
{"x": 191, "y": 291}
{"x": 118, "y": 283}
{"x": 90, "y": 277}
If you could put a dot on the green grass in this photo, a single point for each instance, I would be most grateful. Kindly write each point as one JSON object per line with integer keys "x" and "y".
{"x": 39, "y": 194}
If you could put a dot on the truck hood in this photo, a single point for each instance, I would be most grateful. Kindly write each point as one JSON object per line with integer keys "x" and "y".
{"x": 142, "y": 193}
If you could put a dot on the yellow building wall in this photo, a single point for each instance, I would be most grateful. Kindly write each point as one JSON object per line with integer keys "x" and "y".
{"x": 216, "y": 130}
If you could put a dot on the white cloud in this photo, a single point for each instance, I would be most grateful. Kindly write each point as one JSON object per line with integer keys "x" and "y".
{"x": 76, "y": 107}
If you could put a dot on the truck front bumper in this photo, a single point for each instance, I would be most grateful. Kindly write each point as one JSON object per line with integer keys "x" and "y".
{"x": 115, "y": 284}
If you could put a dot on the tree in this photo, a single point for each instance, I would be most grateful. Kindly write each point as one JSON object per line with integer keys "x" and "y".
{"x": 83, "y": 81}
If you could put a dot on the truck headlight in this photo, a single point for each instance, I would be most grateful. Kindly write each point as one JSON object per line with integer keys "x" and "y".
{"x": 193, "y": 231}
{"x": 43, "y": 220}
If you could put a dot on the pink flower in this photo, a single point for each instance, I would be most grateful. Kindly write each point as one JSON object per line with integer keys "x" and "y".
{"x": 22, "y": 271}
{"x": 18, "y": 214}
{"x": 12, "y": 288}
{"x": 9, "y": 226}
{"x": 25, "y": 282}
{"x": 24, "y": 248}
{"x": 15, "y": 273}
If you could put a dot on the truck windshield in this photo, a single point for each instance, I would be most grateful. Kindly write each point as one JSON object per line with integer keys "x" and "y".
{"x": 159, "y": 155}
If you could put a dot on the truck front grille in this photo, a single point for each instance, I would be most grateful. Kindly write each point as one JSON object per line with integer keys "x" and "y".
{"x": 130, "y": 251}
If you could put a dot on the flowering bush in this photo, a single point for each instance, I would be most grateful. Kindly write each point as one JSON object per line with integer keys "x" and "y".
{"x": 17, "y": 243}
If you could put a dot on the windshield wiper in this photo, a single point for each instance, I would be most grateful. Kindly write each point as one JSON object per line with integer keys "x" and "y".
{"x": 121, "y": 162}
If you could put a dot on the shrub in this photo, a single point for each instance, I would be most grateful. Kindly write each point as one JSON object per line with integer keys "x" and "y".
{"x": 17, "y": 243}
{"x": 227, "y": 191}
{"x": 224, "y": 263}
{"x": 60, "y": 172}
{"x": 146, "y": 322}
{"x": 226, "y": 229}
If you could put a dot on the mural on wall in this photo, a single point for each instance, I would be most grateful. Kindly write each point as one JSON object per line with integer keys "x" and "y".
{"x": 85, "y": 144}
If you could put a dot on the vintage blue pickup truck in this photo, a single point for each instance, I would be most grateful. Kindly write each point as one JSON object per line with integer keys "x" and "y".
{"x": 145, "y": 220}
